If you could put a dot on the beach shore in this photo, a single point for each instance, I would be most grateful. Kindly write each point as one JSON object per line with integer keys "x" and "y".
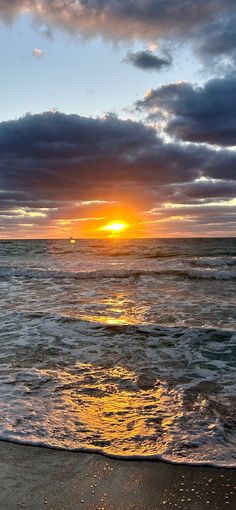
{"x": 37, "y": 478}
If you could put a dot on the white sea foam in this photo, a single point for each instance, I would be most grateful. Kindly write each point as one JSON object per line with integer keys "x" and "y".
{"x": 215, "y": 261}
{"x": 127, "y": 348}
{"x": 210, "y": 274}
{"x": 123, "y": 390}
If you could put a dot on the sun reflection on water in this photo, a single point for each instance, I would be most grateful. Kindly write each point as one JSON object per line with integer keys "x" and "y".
{"x": 116, "y": 309}
{"x": 109, "y": 410}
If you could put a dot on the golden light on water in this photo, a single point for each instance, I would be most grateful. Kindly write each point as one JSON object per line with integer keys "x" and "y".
{"x": 116, "y": 309}
{"x": 117, "y": 415}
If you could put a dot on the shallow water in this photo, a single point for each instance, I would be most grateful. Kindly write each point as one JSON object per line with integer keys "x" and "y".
{"x": 125, "y": 347}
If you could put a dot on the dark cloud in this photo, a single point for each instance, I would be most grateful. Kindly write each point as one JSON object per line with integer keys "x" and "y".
{"x": 131, "y": 19}
{"x": 218, "y": 40}
{"x": 54, "y": 156}
{"x": 196, "y": 114}
{"x": 156, "y": 15}
{"x": 148, "y": 61}
{"x": 199, "y": 214}
{"x": 202, "y": 192}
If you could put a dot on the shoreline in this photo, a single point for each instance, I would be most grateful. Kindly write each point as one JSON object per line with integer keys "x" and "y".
{"x": 126, "y": 458}
{"x": 37, "y": 478}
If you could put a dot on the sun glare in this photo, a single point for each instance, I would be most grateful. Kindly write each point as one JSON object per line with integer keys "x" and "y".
{"x": 115, "y": 227}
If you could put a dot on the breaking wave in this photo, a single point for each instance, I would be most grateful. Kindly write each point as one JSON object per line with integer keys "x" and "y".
{"x": 198, "y": 273}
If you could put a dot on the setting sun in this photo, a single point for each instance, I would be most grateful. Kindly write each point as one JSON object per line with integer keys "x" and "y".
{"x": 115, "y": 227}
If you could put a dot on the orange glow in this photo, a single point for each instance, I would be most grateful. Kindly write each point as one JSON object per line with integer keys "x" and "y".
{"x": 112, "y": 220}
{"x": 115, "y": 227}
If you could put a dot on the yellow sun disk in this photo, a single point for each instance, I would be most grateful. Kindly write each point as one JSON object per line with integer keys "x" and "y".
{"x": 116, "y": 227}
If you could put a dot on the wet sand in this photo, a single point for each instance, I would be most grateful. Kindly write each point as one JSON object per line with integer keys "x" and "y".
{"x": 39, "y": 478}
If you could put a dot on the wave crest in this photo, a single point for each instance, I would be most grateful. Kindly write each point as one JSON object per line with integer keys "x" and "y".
{"x": 197, "y": 273}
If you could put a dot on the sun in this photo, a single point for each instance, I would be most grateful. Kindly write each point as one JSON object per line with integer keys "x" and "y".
{"x": 115, "y": 227}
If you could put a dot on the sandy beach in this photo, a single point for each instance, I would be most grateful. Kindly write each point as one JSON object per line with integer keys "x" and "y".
{"x": 39, "y": 478}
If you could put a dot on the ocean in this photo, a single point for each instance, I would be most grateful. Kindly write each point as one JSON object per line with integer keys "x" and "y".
{"x": 123, "y": 347}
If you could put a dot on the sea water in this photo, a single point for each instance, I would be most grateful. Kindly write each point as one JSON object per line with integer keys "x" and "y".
{"x": 124, "y": 347}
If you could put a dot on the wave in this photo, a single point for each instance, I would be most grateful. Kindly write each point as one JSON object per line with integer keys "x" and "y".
{"x": 160, "y": 255}
{"x": 210, "y": 274}
{"x": 125, "y": 391}
{"x": 192, "y": 273}
{"x": 215, "y": 261}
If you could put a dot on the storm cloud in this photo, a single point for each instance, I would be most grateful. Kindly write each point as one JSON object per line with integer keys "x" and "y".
{"x": 196, "y": 114}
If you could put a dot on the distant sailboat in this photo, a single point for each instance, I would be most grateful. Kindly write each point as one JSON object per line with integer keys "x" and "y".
{"x": 72, "y": 240}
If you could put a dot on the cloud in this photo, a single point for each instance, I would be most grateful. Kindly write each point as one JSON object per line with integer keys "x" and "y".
{"x": 202, "y": 192}
{"x": 218, "y": 41}
{"x": 132, "y": 19}
{"x": 53, "y": 165}
{"x": 148, "y": 61}
{"x": 38, "y": 53}
{"x": 204, "y": 114}
{"x": 52, "y": 162}
{"x": 55, "y": 153}
{"x": 152, "y": 46}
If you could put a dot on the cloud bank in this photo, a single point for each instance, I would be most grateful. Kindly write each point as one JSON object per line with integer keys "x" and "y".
{"x": 55, "y": 161}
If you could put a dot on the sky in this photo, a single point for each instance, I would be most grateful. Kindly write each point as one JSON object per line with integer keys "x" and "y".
{"x": 117, "y": 111}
